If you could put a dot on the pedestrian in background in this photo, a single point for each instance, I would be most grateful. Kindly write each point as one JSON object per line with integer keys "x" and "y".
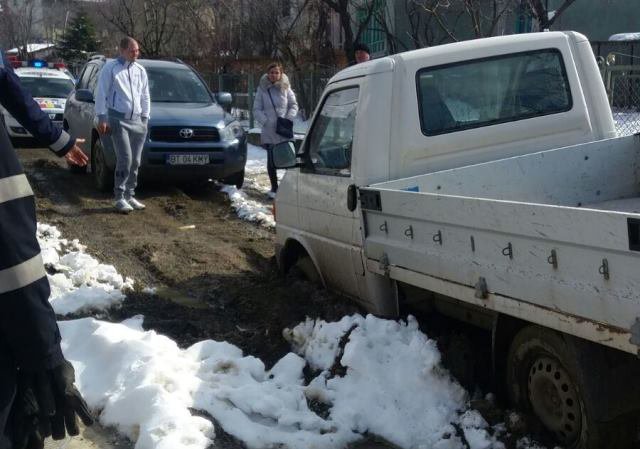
{"x": 37, "y": 395}
{"x": 274, "y": 102}
{"x": 123, "y": 106}
{"x": 362, "y": 52}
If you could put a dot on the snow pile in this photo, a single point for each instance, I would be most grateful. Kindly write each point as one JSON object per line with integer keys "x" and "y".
{"x": 78, "y": 281}
{"x": 391, "y": 385}
{"x": 250, "y": 209}
{"x": 247, "y": 208}
{"x": 394, "y": 385}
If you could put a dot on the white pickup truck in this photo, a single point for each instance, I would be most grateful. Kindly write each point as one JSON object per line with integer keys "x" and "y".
{"x": 485, "y": 178}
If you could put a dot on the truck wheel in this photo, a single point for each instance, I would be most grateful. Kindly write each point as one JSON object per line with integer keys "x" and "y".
{"x": 305, "y": 265}
{"x": 237, "y": 179}
{"x": 542, "y": 379}
{"x": 102, "y": 175}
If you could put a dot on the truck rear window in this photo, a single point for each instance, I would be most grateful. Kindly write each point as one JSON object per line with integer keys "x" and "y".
{"x": 494, "y": 90}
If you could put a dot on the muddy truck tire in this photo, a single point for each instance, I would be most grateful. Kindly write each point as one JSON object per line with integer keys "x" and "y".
{"x": 544, "y": 378}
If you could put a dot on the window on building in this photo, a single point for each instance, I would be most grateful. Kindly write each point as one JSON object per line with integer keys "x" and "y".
{"x": 493, "y": 90}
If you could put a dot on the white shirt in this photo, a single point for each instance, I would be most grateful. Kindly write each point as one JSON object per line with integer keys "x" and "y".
{"x": 124, "y": 87}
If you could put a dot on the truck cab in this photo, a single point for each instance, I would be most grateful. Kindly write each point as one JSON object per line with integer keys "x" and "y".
{"x": 423, "y": 111}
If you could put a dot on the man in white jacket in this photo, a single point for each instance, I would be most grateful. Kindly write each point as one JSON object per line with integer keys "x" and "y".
{"x": 123, "y": 105}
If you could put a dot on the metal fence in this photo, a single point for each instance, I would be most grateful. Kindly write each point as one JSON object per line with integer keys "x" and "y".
{"x": 308, "y": 87}
{"x": 623, "y": 89}
{"x": 620, "y": 67}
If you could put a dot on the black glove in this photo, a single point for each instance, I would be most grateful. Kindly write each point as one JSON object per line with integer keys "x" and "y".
{"x": 25, "y": 422}
{"x": 59, "y": 399}
{"x": 48, "y": 402}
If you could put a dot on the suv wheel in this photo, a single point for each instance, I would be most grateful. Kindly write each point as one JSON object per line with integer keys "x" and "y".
{"x": 102, "y": 175}
{"x": 237, "y": 179}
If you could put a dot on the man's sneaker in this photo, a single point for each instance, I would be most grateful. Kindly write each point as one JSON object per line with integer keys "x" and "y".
{"x": 271, "y": 194}
{"x": 137, "y": 205}
{"x": 123, "y": 206}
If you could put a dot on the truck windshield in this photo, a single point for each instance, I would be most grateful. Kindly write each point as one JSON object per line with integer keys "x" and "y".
{"x": 492, "y": 90}
{"x": 47, "y": 87}
{"x": 169, "y": 85}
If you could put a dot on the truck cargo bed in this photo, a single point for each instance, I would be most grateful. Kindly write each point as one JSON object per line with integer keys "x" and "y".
{"x": 553, "y": 237}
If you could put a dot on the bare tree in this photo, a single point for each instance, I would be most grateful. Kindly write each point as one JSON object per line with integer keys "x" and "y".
{"x": 151, "y": 22}
{"x": 351, "y": 27}
{"x": 433, "y": 22}
{"x": 484, "y": 17}
{"x": 18, "y": 22}
{"x": 542, "y": 14}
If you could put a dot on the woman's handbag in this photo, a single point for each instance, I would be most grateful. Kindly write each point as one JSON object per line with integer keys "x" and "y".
{"x": 284, "y": 126}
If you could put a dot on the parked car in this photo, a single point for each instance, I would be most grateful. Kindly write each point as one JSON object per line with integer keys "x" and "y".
{"x": 49, "y": 87}
{"x": 190, "y": 136}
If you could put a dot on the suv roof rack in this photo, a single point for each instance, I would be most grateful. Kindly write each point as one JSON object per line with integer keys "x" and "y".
{"x": 91, "y": 58}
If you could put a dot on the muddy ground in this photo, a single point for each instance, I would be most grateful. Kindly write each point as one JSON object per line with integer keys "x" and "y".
{"x": 215, "y": 276}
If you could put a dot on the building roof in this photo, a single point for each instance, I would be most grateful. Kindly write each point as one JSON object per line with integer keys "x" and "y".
{"x": 32, "y": 48}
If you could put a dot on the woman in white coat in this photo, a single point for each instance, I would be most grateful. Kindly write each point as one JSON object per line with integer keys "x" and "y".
{"x": 274, "y": 98}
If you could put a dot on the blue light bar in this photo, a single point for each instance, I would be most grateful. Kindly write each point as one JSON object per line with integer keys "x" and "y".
{"x": 38, "y": 64}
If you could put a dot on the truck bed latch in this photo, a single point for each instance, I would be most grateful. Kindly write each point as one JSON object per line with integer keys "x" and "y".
{"x": 481, "y": 289}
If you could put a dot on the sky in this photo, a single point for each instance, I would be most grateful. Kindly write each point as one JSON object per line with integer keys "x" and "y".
{"x": 144, "y": 385}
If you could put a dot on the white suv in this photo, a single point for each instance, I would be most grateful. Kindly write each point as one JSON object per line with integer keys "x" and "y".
{"x": 49, "y": 87}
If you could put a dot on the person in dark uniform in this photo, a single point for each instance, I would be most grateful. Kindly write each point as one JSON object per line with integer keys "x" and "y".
{"x": 37, "y": 395}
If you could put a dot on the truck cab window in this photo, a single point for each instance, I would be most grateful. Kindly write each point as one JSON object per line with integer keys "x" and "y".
{"x": 331, "y": 137}
{"x": 494, "y": 90}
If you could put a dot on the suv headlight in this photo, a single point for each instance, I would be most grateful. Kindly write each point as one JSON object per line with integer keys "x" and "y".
{"x": 232, "y": 131}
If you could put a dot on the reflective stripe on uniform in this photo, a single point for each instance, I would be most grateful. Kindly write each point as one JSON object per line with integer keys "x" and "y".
{"x": 14, "y": 187}
{"x": 62, "y": 141}
{"x": 22, "y": 274}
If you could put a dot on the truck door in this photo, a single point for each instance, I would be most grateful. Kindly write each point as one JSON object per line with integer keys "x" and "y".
{"x": 323, "y": 184}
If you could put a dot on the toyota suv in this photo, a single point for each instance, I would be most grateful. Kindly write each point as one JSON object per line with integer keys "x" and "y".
{"x": 190, "y": 136}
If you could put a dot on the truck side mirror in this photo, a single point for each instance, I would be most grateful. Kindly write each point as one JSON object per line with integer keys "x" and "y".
{"x": 284, "y": 155}
{"x": 224, "y": 99}
{"x": 84, "y": 95}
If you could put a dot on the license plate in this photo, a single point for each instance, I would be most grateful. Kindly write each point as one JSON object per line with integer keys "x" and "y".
{"x": 187, "y": 159}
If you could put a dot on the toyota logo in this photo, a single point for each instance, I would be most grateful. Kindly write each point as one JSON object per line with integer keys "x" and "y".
{"x": 186, "y": 133}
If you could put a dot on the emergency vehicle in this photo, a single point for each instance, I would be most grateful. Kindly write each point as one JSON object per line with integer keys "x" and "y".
{"x": 49, "y": 85}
